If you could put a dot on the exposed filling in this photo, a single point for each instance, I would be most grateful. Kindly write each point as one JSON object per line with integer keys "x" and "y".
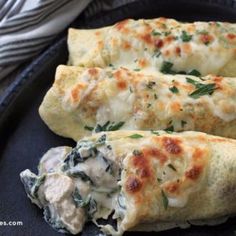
{"x": 103, "y": 178}
{"x": 76, "y": 186}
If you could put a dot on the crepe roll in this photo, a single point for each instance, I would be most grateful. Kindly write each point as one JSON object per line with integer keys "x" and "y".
{"x": 144, "y": 180}
{"x": 161, "y": 44}
{"x": 85, "y": 100}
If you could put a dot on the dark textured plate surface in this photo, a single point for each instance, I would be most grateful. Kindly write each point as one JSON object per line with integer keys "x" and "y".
{"x": 24, "y": 137}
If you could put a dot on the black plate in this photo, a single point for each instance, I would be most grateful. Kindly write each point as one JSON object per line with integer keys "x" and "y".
{"x": 24, "y": 137}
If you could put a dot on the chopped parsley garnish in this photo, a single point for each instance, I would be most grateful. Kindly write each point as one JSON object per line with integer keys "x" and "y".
{"x": 194, "y": 82}
{"x": 185, "y": 36}
{"x": 195, "y": 73}
{"x": 167, "y": 33}
{"x": 155, "y": 33}
{"x": 150, "y": 84}
{"x": 166, "y": 67}
{"x": 165, "y": 200}
{"x": 137, "y": 69}
{"x": 155, "y": 132}
{"x": 111, "y": 65}
{"x": 174, "y": 89}
{"x": 155, "y": 96}
{"x": 206, "y": 89}
{"x": 183, "y": 123}
{"x": 172, "y": 167}
{"x": 169, "y": 129}
{"x": 137, "y": 153}
{"x": 159, "y": 180}
{"x": 148, "y": 105}
{"x": 135, "y": 136}
{"x": 116, "y": 126}
{"x": 88, "y": 128}
{"x": 108, "y": 126}
{"x": 156, "y": 54}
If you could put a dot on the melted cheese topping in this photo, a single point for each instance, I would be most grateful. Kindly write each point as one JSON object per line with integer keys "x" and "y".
{"x": 147, "y": 44}
{"x": 142, "y": 101}
{"x": 143, "y": 177}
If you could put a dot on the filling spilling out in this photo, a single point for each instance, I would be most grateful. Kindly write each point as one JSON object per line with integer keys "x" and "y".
{"x": 77, "y": 185}
{"x": 105, "y": 177}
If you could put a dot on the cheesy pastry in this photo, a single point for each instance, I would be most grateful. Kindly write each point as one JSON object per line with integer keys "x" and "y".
{"x": 82, "y": 100}
{"x": 147, "y": 180}
{"x": 160, "y": 44}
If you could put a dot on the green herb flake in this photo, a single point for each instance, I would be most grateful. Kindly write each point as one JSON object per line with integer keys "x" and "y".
{"x": 137, "y": 69}
{"x": 155, "y": 132}
{"x": 155, "y": 96}
{"x": 137, "y": 153}
{"x": 195, "y": 73}
{"x": 116, "y": 126}
{"x": 150, "y": 84}
{"x": 111, "y": 65}
{"x": 165, "y": 200}
{"x": 155, "y": 33}
{"x": 159, "y": 180}
{"x": 194, "y": 82}
{"x": 171, "y": 167}
{"x": 135, "y": 136}
{"x": 149, "y": 105}
{"x": 169, "y": 129}
{"x": 167, "y": 33}
{"x": 206, "y": 89}
{"x": 108, "y": 126}
{"x": 185, "y": 36}
{"x": 166, "y": 67}
{"x": 88, "y": 128}
{"x": 183, "y": 123}
{"x": 174, "y": 89}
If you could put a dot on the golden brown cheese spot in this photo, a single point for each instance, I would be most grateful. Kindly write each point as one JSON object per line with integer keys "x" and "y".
{"x": 171, "y": 145}
{"x": 97, "y": 33}
{"x": 218, "y": 79}
{"x": 121, "y": 83}
{"x": 142, "y": 166}
{"x": 155, "y": 153}
{"x": 172, "y": 187}
{"x": 175, "y": 106}
{"x": 194, "y": 172}
{"x": 121, "y": 25}
{"x": 93, "y": 71}
{"x": 76, "y": 91}
{"x": 126, "y": 45}
{"x": 167, "y": 53}
{"x": 186, "y": 48}
{"x": 146, "y": 38}
{"x": 231, "y": 36}
{"x": 169, "y": 39}
{"x": 198, "y": 154}
{"x": 178, "y": 51}
{"x": 159, "y": 43}
{"x": 142, "y": 62}
{"x": 133, "y": 184}
{"x": 206, "y": 38}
